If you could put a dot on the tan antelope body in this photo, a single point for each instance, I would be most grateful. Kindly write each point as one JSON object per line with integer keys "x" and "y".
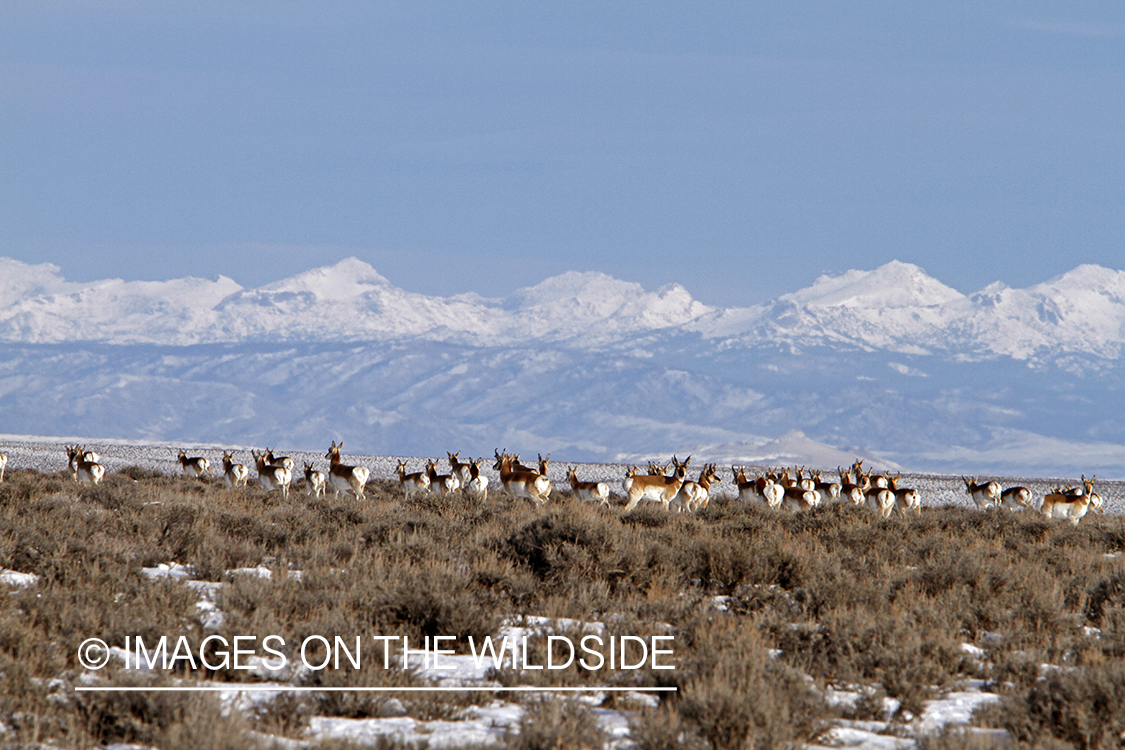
{"x": 342, "y": 477}
{"x": 797, "y": 498}
{"x": 984, "y": 494}
{"x": 84, "y": 466}
{"x": 271, "y": 477}
{"x": 854, "y": 492}
{"x": 414, "y": 483}
{"x": 829, "y": 491}
{"x": 273, "y": 460}
{"x": 696, "y": 495}
{"x": 881, "y": 500}
{"x": 588, "y": 491}
{"x": 443, "y": 484}
{"x": 523, "y": 483}
{"x": 1016, "y": 498}
{"x": 747, "y": 488}
{"x": 655, "y": 488}
{"x": 458, "y": 469}
{"x": 195, "y": 466}
{"x": 1073, "y": 504}
{"x": 906, "y": 499}
{"x": 234, "y": 475}
{"x": 3, "y": 465}
{"x": 314, "y": 481}
{"x": 477, "y": 485}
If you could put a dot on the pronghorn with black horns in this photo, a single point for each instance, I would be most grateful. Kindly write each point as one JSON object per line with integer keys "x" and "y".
{"x": 82, "y": 467}
{"x": 587, "y": 491}
{"x": 272, "y": 477}
{"x": 414, "y": 483}
{"x": 458, "y": 469}
{"x": 195, "y": 466}
{"x": 273, "y": 460}
{"x": 521, "y": 482}
{"x": 441, "y": 483}
{"x": 695, "y": 495}
{"x": 984, "y": 494}
{"x": 655, "y": 488}
{"x": 342, "y": 477}
{"x": 1071, "y": 504}
{"x": 477, "y": 486}
{"x": 234, "y": 475}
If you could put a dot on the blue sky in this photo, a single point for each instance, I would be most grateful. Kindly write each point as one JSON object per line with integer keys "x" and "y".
{"x": 740, "y": 149}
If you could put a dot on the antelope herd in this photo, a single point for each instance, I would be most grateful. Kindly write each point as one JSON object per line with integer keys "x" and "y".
{"x": 795, "y": 490}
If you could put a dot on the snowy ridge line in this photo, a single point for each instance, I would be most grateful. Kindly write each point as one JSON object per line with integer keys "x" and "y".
{"x": 896, "y": 307}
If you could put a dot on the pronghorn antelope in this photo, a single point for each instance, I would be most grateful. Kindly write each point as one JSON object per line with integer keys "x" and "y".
{"x": 854, "y": 492}
{"x": 272, "y": 477}
{"x": 196, "y": 466}
{"x": 82, "y": 468}
{"x": 477, "y": 486}
{"x": 1071, "y": 504}
{"x": 458, "y": 469}
{"x": 695, "y": 495}
{"x": 797, "y": 498}
{"x": 419, "y": 481}
{"x": 3, "y": 465}
{"x": 746, "y": 487}
{"x": 521, "y": 482}
{"x": 881, "y": 500}
{"x": 1016, "y": 498}
{"x": 443, "y": 483}
{"x": 234, "y": 475}
{"x": 829, "y": 491}
{"x": 655, "y": 487}
{"x": 273, "y": 460}
{"x": 985, "y": 495}
{"x": 588, "y": 491}
{"x": 342, "y": 477}
{"x": 314, "y": 481}
{"x": 906, "y": 499}
{"x": 657, "y": 469}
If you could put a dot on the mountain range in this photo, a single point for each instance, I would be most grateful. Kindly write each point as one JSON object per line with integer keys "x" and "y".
{"x": 889, "y": 364}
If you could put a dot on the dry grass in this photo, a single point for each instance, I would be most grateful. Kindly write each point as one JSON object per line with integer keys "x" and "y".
{"x": 845, "y": 597}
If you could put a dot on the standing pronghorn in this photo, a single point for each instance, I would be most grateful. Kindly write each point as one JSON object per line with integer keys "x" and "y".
{"x": 854, "y": 492}
{"x": 441, "y": 483}
{"x": 234, "y": 475}
{"x": 477, "y": 486}
{"x": 985, "y": 495}
{"x": 458, "y": 469}
{"x": 1071, "y": 504}
{"x": 695, "y": 495}
{"x": 343, "y": 477}
{"x": 521, "y": 482}
{"x": 654, "y": 488}
{"x": 906, "y": 499}
{"x": 881, "y": 500}
{"x": 419, "y": 481}
{"x": 285, "y": 461}
{"x": 588, "y": 491}
{"x": 272, "y": 477}
{"x": 3, "y": 465}
{"x": 196, "y": 466}
{"x": 314, "y": 481}
{"x": 1016, "y": 498}
{"x": 82, "y": 468}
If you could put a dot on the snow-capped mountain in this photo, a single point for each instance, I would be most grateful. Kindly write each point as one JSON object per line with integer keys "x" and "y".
{"x": 888, "y": 363}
